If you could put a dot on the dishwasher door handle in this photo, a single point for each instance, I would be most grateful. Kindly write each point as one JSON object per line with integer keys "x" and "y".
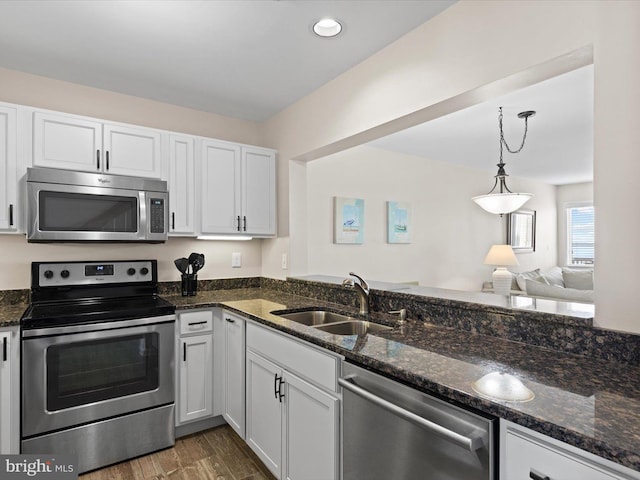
{"x": 470, "y": 444}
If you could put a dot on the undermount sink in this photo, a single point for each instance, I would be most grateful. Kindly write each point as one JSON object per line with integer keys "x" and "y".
{"x": 353, "y": 327}
{"x": 334, "y": 323}
{"x": 315, "y": 317}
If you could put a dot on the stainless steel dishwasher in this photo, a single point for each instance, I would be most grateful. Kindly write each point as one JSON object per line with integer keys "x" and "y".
{"x": 393, "y": 432}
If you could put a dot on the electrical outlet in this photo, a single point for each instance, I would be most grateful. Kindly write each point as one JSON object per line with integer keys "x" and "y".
{"x": 284, "y": 261}
{"x": 236, "y": 260}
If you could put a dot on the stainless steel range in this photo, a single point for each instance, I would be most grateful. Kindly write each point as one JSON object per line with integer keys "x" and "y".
{"x": 97, "y": 362}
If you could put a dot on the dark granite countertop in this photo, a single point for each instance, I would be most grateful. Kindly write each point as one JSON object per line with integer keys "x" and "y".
{"x": 10, "y": 314}
{"x": 590, "y": 403}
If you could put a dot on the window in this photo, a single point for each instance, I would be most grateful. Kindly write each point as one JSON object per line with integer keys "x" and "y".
{"x": 580, "y": 235}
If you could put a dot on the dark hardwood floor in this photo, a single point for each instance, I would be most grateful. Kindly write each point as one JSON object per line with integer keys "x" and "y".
{"x": 216, "y": 454}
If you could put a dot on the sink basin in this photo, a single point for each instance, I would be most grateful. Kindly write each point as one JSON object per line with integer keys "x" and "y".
{"x": 352, "y": 327}
{"x": 335, "y": 323}
{"x": 315, "y": 317}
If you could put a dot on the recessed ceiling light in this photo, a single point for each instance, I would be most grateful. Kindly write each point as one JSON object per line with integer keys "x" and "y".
{"x": 327, "y": 27}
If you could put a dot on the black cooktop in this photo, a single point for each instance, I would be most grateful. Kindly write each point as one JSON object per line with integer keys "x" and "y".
{"x": 94, "y": 310}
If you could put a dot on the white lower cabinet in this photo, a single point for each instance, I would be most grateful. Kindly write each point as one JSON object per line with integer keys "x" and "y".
{"x": 9, "y": 391}
{"x": 264, "y": 412}
{"x": 195, "y": 366}
{"x": 292, "y": 422}
{"x": 233, "y": 371}
{"x": 310, "y": 431}
{"x": 526, "y": 454}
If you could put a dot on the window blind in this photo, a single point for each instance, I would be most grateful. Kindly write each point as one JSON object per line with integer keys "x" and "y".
{"x": 581, "y": 233}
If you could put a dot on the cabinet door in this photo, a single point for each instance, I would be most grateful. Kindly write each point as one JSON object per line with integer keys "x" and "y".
{"x": 181, "y": 185}
{"x": 523, "y": 455}
{"x": 220, "y": 187}
{"x": 7, "y": 395}
{"x": 264, "y": 412}
{"x": 8, "y": 166}
{"x": 132, "y": 151}
{"x": 311, "y": 432}
{"x": 196, "y": 377}
{"x": 234, "y": 409}
{"x": 72, "y": 143}
{"x": 258, "y": 192}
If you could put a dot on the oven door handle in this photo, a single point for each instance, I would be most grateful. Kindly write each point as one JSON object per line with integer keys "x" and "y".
{"x": 95, "y": 327}
{"x": 468, "y": 443}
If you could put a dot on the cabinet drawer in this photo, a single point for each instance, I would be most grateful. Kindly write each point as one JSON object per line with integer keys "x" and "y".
{"x": 195, "y": 322}
{"x": 318, "y": 367}
{"x": 526, "y": 452}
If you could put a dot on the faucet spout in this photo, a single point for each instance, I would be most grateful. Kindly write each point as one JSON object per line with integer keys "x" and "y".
{"x": 362, "y": 289}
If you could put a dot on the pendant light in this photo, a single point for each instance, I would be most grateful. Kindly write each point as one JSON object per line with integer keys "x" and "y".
{"x": 505, "y": 201}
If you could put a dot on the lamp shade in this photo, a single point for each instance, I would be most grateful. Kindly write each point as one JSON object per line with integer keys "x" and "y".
{"x": 500, "y": 203}
{"x": 501, "y": 255}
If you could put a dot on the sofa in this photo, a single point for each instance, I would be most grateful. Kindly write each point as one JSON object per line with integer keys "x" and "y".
{"x": 556, "y": 283}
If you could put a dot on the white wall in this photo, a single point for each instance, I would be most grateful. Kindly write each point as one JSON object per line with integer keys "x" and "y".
{"x": 567, "y": 195}
{"x": 17, "y": 256}
{"x": 451, "y": 234}
{"x": 25, "y": 89}
{"x": 470, "y": 45}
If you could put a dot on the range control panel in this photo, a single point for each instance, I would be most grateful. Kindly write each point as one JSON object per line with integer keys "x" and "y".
{"x": 93, "y": 273}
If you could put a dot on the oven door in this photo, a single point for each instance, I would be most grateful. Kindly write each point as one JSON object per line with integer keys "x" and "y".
{"x": 81, "y": 213}
{"x": 78, "y": 378}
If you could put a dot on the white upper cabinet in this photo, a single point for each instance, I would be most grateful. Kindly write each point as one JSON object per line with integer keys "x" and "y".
{"x": 238, "y": 189}
{"x": 220, "y": 187}
{"x": 84, "y": 144}
{"x": 8, "y": 169}
{"x": 181, "y": 185}
{"x": 258, "y": 191}
{"x": 131, "y": 150}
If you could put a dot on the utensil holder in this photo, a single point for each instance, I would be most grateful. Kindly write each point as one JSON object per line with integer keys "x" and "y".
{"x": 189, "y": 284}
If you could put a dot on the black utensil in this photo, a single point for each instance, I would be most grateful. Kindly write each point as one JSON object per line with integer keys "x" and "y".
{"x": 182, "y": 264}
{"x": 192, "y": 258}
{"x": 198, "y": 262}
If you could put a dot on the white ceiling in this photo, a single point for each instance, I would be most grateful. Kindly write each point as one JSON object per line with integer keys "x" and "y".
{"x": 239, "y": 58}
{"x": 559, "y": 145}
{"x": 252, "y": 58}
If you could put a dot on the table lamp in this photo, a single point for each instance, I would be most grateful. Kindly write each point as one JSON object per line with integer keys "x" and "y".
{"x": 501, "y": 256}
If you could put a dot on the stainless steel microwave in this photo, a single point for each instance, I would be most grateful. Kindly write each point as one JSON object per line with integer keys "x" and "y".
{"x": 68, "y": 206}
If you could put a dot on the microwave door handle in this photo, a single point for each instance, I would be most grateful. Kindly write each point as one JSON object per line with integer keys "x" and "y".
{"x": 143, "y": 226}
{"x": 98, "y": 159}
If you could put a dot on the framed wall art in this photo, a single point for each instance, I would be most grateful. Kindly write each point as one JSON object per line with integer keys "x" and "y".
{"x": 348, "y": 214}
{"x": 398, "y": 222}
{"x": 521, "y": 231}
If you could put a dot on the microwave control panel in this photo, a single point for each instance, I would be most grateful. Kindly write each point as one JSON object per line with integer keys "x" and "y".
{"x": 156, "y": 215}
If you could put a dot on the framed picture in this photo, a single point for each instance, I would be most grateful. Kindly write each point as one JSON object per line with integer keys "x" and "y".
{"x": 348, "y": 214}
{"x": 521, "y": 231}
{"x": 398, "y": 222}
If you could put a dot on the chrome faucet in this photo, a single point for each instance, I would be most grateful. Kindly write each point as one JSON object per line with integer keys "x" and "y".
{"x": 362, "y": 289}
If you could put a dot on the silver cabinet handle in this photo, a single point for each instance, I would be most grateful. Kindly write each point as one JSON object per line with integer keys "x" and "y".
{"x": 470, "y": 444}
{"x": 537, "y": 476}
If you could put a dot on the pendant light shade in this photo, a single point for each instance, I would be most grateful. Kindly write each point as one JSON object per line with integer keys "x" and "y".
{"x": 501, "y": 203}
{"x": 504, "y": 200}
